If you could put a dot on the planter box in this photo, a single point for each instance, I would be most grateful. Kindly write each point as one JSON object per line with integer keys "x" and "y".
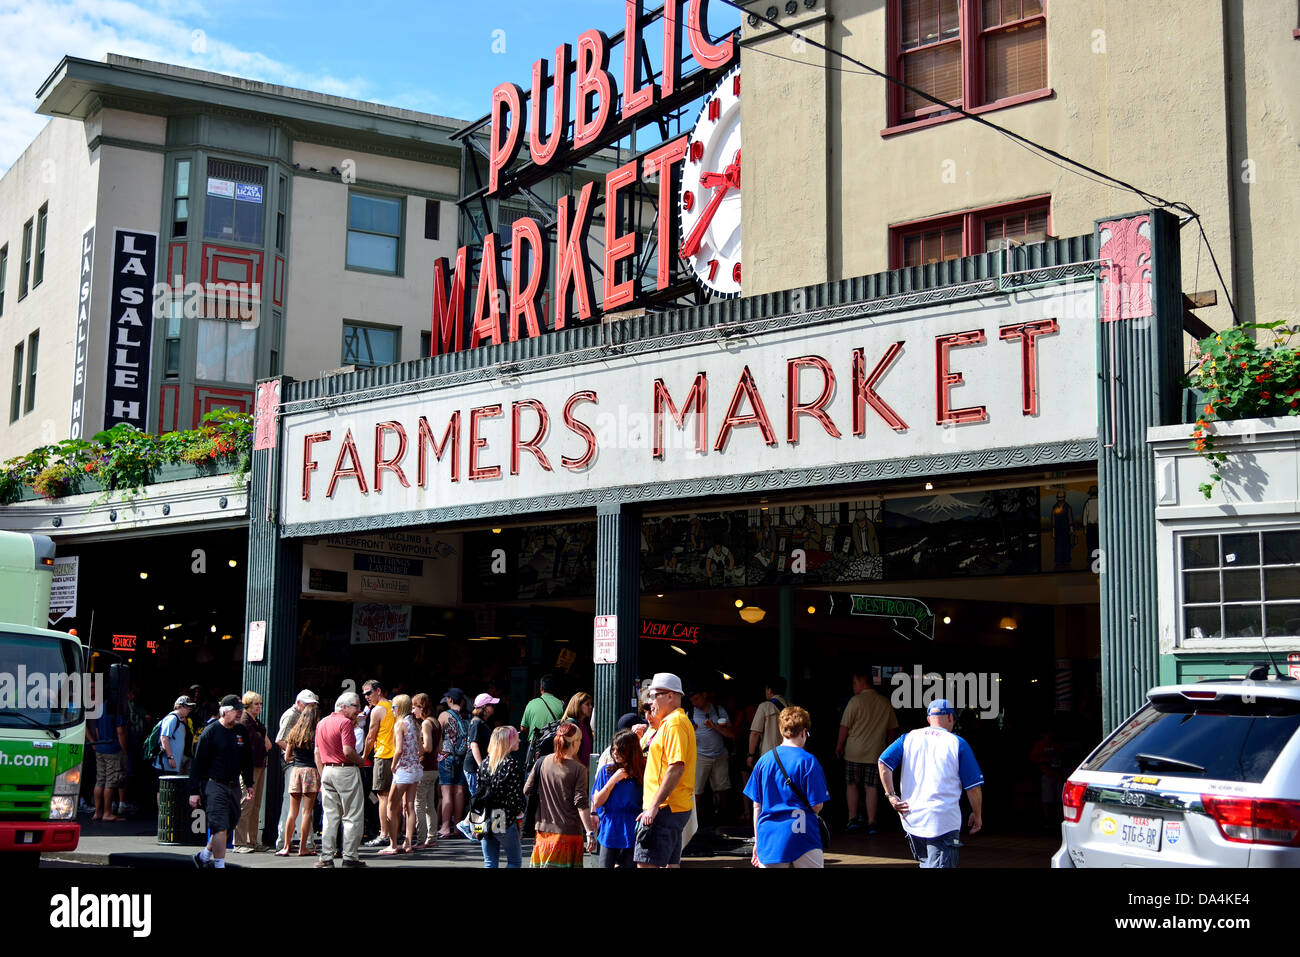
{"x": 86, "y": 484}
{"x": 1262, "y": 473}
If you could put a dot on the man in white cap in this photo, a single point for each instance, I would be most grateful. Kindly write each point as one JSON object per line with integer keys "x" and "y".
{"x": 287, "y": 721}
{"x": 937, "y": 767}
{"x": 668, "y": 791}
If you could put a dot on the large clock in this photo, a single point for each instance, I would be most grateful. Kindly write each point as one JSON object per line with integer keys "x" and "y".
{"x": 709, "y": 203}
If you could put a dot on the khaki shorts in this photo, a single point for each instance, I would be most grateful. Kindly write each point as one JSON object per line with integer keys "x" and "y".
{"x": 715, "y": 771}
{"x": 110, "y": 770}
{"x": 382, "y": 776}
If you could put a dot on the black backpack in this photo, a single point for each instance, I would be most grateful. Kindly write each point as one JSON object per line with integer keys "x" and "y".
{"x": 541, "y": 742}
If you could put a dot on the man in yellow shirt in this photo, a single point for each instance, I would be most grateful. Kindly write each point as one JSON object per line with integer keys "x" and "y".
{"x": 865, "y": 729}
{"x": 668, "y": 793}
{"x": 379, "y": 745}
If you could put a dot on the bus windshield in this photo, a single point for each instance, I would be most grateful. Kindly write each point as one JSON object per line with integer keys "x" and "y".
{"x": 41, "y": 683}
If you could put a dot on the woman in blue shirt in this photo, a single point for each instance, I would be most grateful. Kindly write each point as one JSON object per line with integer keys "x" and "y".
{"x": 786, "y": 832}
{"x": 616, "y": 800}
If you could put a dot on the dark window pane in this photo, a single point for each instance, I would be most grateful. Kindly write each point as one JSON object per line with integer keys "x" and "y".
{"x": 1242, "y": 621}
{"x": 1281, "y": 584}
{"x": 1239, "y": 550}
{"x": 173, "y": 357}
{"x": 1281, "y": 548}
{"x": 365, "y": 346}
{"x": 1241, "y": 585}
{"x": 1203, "y": 622}
{"x": 375, "y": 214}
{"x": 936, "y": 71}
{"x": 1201, "y": 551}
{"x": 1283, "y": 620}
{"x": 432, "y": 210}
{"x": 1200, "y": 587}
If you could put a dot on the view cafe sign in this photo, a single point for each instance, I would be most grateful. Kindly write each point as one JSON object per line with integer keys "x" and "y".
{"x": 581, "y": 86}
{"x": 956, "y": 379}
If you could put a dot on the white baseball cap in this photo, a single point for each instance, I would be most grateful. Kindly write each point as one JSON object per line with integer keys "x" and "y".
{"x": 307, "y": 696}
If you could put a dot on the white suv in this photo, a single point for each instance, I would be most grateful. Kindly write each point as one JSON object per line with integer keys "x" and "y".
{"x": 1202, "y": 775}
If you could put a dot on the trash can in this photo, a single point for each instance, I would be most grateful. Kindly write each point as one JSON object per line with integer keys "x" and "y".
{"x": 174, "y": 814}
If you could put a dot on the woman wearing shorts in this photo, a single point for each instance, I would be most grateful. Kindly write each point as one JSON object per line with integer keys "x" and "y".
{"x": 407, "y": 773}
{"x": 304, "y": 780}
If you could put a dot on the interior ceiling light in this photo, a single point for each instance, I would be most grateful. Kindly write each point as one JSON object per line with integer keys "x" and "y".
{"x": 232, "y": 563}
{"x": 161, "y": 608}
{"x": 212, "y": 628}
{"x": 725, "y": 676}
{"x": 929, "y": 486}
{"x": 947, "y": 619}
{"x": 1007, "y": 623}
{"x": 226, "y": 637}
{"x": 740, "y": 603}
{"x": 752, "y": 614}
{"x": 812, "y": 609}
{"x": 496, "y": 531}
{"x": 676, "y": 649}
{"x": 660, "y": 595}
{"x": 144, "y": 575}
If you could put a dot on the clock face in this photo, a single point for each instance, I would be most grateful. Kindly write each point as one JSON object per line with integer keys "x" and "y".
{"x": 709, "y": 203}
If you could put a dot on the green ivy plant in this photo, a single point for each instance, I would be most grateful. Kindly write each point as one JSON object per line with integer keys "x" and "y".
{"x": 123, "y": 459}
{"x": 1245, "y": 372}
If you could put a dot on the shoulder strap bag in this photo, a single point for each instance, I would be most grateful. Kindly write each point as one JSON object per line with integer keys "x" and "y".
{"x": 798, "y": 792}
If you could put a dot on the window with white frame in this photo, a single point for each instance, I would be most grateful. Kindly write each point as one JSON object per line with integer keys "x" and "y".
{"x": 1240, "y": 585}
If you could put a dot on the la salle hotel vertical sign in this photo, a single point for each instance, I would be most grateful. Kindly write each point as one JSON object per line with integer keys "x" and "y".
{"x": 130, "y": 327}
{"x": 80, "y": 362}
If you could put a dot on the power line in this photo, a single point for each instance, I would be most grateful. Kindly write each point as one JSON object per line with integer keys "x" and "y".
{"x": 1077, "y": 167}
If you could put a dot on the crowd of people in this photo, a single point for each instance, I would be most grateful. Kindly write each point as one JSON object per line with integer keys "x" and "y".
{"x": 436, "y": 772}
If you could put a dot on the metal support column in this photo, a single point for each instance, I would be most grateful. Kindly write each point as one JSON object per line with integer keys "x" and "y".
{"x": 1139, "y": 365}
{"x": 274, "y": 584}
{"x": 618, "y": 592}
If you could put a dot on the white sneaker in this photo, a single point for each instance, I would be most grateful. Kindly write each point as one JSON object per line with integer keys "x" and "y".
{"x": 380, "y": 841}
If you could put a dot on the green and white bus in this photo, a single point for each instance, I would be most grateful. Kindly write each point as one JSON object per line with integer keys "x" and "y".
{"x": 42, "y": 711}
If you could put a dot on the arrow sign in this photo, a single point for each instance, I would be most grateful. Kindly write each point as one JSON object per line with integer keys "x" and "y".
{"x": 908, "y": 617}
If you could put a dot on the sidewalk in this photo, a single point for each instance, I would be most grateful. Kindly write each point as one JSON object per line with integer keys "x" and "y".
{"x": 134, "y": 844}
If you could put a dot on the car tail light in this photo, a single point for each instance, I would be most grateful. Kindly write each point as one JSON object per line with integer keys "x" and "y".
{"x": 1255, "y": 821}
{"x": 1072, "y": 800}
{"x": 1201, "y": 695}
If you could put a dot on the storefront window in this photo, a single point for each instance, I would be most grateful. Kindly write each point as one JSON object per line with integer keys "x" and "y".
{"x": 1242, "y": 585}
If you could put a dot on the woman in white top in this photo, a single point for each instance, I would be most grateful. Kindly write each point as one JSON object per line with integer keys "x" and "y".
{"x": 406, "y": 775}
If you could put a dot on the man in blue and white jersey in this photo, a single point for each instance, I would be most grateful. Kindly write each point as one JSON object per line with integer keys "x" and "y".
{"x": 937, "y": 766}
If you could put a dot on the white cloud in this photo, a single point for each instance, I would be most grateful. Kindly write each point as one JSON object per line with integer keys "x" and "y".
{"x": 39, "y": 33}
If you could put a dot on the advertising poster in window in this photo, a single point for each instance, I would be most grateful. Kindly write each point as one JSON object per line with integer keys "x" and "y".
{"x": 374, "y": 623}
{"x": 130, "y": 326}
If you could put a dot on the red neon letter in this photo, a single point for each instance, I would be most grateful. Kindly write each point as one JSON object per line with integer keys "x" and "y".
{"x": 534, "y": 444}
{"x": 594, "y": 80}
{"x": 448, "y": 304}
{"x": 1027, "y": 333}
{"x": 817, "y": 408}
{"x": 487, "y": 324}
{"x": 698, "y": 398}
{"x": 945, "y": 380}
{"x": 395, "y": 463}
{"x": 524, "y": 302}
{"x": 349, "y": 448}
{"x": 542, "y": 150}
{"x": 745, "y": 388}
{"x": 709, "y": 55}
{"x": 619, "y": 247}
{"x": 580, "y": 429}
{"x": 672, "y": 62}
{"x": 635, "y": 97}
{"x": 660, "y": 163}
{"x": 476, "y": 443}
{"x": 864, "y": 391}
{"x": 425, "y": 441}
{"x": 571, "y": 257}
{"x": 503, "y": 143}
{"x": 308, "y": 463}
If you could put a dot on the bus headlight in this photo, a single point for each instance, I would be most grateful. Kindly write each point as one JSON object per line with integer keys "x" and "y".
{"x": 63, "y": 805}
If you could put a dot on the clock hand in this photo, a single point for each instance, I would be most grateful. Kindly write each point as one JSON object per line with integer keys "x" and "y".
{"x": 730, "y": 179}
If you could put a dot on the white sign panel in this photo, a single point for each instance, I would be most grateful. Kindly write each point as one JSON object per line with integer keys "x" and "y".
{"x": 948, "y": 380}
{"x": 63, "y": 589}
{"x": 256, "y": 641}
{"x": 377, "y": 586}
{"x": 605, "y": 651}
{"x": 374, "y": 623}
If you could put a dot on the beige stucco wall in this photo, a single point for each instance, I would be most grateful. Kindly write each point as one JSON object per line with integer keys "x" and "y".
{"x": 57, "y": 169}
{"x": 1139, "y": 93}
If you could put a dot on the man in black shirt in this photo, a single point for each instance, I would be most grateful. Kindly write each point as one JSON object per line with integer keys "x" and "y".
{"x": 221, "y": 758}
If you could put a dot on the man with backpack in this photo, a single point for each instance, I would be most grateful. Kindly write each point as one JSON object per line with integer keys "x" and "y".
{"x": 765, "y": 732}
{"x": 540, "y": 715}
{"x": 451, "y": 759}
{"x": 164, "y": 749}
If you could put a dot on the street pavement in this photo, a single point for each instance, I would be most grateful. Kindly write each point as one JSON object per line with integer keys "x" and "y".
{"x": 134, "y": 844}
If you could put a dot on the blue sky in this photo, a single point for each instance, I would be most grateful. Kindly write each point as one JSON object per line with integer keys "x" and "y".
{"x": 436, "y": 56}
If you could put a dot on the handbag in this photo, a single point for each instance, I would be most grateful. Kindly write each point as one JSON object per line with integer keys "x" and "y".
{"x": 823, "y": 828}
{"x": 473, "y": 826}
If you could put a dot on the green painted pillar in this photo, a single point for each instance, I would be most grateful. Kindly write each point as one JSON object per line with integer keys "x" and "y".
{"x": 274, "y": 584}
{"x": 618, "y": 592}
{"x": 1139, "y": 368}
{"x": 785, "y": 651}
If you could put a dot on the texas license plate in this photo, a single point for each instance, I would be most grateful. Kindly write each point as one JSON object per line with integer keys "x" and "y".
{"x": 1143, "y": 832}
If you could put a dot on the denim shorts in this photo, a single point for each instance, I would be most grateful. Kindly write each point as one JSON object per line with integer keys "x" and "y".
{"x": 665, "y": 844}
{"x": 451, "y": 771}
{"x": 938, "y": 851}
